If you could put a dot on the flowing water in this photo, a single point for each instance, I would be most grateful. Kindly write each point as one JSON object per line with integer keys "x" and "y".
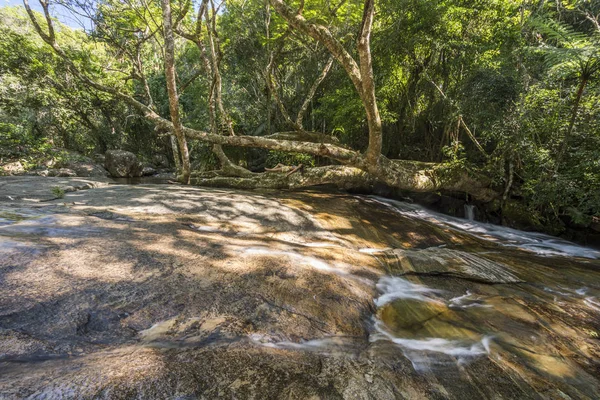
{"x": 160, "y": 291}
{"x": 423, "y": 319}
{"x": 532, "y": 241}
{"x": 470, "y": 212}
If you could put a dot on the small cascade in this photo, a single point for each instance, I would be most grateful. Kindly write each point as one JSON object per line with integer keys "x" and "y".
{"x": 417, "y": 319}
{"x": 539, "y": 243}
{"x": 470, "y": 212}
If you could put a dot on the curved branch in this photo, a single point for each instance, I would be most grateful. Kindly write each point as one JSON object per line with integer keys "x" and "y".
{"x": 47, "y": 37}
{"x": 312, "y": 91}
{"x": 324, "y": 36}
{"x": 361, "y": 76}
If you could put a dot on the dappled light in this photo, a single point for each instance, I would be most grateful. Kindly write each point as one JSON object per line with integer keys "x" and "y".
{"x": 156, "y": 279}
{"x": 299, "y": 199}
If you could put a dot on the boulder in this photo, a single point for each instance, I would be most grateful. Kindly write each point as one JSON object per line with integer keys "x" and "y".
{"x": 39, "y": 172}
{"x": 13, "y": 168}
{"x": 148, "y": 171}
{"x": 62, "y": 172}
{"x": 122, "y": 164}
{"x": 160, "y": 160}
{"x": 88, "y": 170}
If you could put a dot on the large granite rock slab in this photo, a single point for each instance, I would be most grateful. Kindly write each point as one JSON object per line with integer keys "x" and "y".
{"x": 441, "y": 261}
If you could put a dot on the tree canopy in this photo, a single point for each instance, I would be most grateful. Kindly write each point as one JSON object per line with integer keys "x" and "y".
{"x": 495, "y": 99}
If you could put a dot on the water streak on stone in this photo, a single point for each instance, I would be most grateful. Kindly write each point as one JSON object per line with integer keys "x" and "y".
{"x": 470, "y": 212}
{"x": 394, "y": 288}
{"x": 535, "y": 242}
{"x": 425, "y": 353}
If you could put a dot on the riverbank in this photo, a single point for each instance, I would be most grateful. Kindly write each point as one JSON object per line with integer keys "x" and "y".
{"x": 168, "y": 291}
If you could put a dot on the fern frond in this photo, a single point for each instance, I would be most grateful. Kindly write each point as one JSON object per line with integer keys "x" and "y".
{"x": 558, "y": 33}
{"x": 565, "y": 50}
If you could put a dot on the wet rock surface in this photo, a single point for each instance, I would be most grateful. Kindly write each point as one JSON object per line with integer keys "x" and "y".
{"x": 448, "y": 262}
{"x": 173, "y": 292}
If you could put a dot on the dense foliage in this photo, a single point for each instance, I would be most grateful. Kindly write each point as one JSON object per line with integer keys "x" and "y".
{"x": 44, "y": 106}
{"x": 507, "y": 87}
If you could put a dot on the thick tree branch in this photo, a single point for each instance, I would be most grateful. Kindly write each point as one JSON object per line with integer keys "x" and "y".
{"x": 333, "y": 152}
{"x": 361, "y": 76}
{"x": 324, "y": 36}
{"x": 304, "y": 136}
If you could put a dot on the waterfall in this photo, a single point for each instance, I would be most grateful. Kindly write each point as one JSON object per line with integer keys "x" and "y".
{"x": 470, "y": 212}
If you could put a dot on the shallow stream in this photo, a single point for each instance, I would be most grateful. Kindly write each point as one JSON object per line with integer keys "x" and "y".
{"x": 163, "y": 291}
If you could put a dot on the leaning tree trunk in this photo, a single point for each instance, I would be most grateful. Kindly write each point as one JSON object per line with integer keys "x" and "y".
{"x": 172, "y": 91}
{"x": 360, "y": 75}
{"x": 356, "y": 170}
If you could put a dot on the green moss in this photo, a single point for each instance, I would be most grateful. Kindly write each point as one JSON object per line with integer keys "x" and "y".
{"x": 58, "y": 192}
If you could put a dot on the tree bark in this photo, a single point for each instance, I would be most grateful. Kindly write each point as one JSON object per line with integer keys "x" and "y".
{"x": 172, "y": 91}
{"x": 361, "y": 76}
{"x": 368, "y": 84}
{"x": 404, "y": 175}
{"x": 338, "y": 176}
{"x": 176, "y": 155}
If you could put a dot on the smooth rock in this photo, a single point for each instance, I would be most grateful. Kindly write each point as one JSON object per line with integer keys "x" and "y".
{"x": 116, "y": 292}
{"x": 122, "y": 164}
{"x": 462, "y": 264}
{"x": 62, "y": 172}
{"x": 148, "y": 171}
